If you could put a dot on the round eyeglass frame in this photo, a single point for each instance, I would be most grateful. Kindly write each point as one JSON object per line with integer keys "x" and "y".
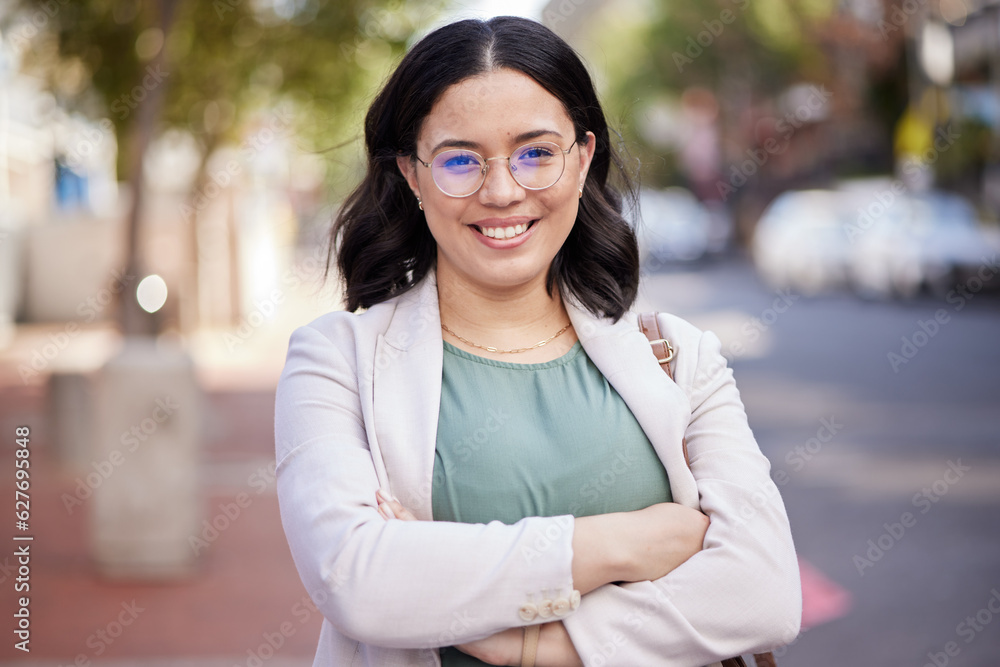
{"x": 486, "y": 166}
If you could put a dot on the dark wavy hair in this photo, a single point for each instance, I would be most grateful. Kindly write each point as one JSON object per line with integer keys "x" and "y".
{"x": 380, "y": 237}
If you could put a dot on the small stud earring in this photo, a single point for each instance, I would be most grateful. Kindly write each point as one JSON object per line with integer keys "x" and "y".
{"x": 420, "y": 203}
{"x": 581, "y": 192}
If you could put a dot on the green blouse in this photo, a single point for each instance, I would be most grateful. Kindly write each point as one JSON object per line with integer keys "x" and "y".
{"x": 517, "y": 440}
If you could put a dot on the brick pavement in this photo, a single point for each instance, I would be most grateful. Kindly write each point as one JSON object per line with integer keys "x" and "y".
{"x": 244, "y": 590}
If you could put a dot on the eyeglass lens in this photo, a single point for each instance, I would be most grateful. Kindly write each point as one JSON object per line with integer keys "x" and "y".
{"x": 536, "y": 166}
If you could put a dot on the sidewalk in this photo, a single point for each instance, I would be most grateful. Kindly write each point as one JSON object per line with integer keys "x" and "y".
{"x": 244, "y": 606}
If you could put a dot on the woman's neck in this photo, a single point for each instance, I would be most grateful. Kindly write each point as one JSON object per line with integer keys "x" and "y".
{"x": 508, "y": 318}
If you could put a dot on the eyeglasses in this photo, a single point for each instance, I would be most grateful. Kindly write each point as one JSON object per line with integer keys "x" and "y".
{"x": 459, "y": 172}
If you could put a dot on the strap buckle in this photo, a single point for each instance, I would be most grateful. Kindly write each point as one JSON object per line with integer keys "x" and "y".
{"x": 670, "y": 350}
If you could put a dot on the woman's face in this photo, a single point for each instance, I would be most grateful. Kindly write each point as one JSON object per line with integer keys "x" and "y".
{"x": 493, "y": 114}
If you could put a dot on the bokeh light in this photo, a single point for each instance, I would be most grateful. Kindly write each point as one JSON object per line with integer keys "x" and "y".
{"x": 151, "y": 293}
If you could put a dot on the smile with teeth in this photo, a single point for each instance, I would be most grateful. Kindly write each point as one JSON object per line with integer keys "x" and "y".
{"x": 504, "y": 232}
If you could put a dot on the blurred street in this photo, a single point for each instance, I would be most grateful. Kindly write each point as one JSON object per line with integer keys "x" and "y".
{"x": 888, "y": 448}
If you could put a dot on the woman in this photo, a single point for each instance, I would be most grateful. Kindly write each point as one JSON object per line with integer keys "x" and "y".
{"x": 489, "y": 455}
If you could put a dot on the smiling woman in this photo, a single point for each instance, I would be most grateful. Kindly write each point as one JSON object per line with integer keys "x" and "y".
{"x": 448, "y": 505}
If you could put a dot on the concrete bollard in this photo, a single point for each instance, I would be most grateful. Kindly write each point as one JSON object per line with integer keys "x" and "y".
{"x": 146, "y": 452}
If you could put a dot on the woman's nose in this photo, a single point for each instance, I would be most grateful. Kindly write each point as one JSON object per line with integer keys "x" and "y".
{"x": 500, "y": 188}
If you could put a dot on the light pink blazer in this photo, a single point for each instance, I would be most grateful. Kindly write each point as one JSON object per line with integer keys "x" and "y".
{"x": 356, "y": 410}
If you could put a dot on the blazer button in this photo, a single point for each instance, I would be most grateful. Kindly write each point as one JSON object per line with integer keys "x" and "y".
{"x": 545, "y": 609}
{"x": 527, "y": 612}
{"x": 574, "y": 600}
{"x": 560, "y": 607}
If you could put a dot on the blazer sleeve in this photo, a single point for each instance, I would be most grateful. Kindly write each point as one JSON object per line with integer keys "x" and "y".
{"x": 741, "y": 593}
{"x": 396, "y": 584}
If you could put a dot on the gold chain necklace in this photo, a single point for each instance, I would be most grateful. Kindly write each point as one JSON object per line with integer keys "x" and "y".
{"x": 520, "y": 349}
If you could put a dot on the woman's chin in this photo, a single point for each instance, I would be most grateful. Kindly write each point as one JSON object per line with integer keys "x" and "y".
{"x": 503, "y": 277}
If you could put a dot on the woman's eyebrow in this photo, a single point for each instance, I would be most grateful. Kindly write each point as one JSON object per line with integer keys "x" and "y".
{"x": 460, "y": 143}
{"x": 454, "y": 143}
{"x": 534, "y": 134}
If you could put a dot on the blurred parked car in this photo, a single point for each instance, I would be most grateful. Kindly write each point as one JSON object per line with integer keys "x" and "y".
{"x": 674, "y": 226}
{"x": 800, "y": 242}
{"x": 875, "y": 237}
{"x": 921, "y": 241}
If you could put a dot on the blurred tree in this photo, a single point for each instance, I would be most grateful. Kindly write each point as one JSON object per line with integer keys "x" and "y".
{"x": 212, "y": 67}
{"x": 746, "y": 65}
{"x": 739, "y": 49}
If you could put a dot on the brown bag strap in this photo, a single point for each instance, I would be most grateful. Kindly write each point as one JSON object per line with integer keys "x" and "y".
{"x": 665, "y": 353}
{"x": 662, "y": 348}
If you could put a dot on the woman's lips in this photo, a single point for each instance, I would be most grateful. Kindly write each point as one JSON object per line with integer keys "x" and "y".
{"x": 507, "y": 231}
{"x": 504, "y": 235}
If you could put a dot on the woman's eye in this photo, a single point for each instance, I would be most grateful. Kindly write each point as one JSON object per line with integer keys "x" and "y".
{"x": 536, "y": 153}
{"x": 459, "y": 161}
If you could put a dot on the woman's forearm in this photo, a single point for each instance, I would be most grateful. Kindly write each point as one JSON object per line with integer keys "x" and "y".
{"x": 597, "y": 558}
{"x": 634, "y": 546}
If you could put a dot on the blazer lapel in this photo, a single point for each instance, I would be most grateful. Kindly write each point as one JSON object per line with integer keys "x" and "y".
{"x": 623, "y": 355}
{"x": 407, "y": 395}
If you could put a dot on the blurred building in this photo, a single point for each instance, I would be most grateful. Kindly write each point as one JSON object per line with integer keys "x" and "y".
{"x": 62, "y": 218}
{"x": 58, "y": 196}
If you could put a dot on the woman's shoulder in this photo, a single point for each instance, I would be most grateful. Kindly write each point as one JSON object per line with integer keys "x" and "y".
{"x": 698, "y": 352}
{"x": 345, "y": 330}
{"x": 414, "y": 303}
{"x": 679, "y": 326}
{"x": 676, "y": 329}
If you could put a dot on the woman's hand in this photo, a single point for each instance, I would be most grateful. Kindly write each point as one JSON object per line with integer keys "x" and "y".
{"x": 390, "y": 508}
{"x": 503, "y": 648}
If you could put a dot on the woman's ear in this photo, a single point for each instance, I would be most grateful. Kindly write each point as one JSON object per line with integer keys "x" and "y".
{"x": 587, "y": 156}
{"x": 409, "y": 171}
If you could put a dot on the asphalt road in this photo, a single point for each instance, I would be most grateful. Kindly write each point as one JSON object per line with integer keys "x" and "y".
{"x": 882, "y": 423}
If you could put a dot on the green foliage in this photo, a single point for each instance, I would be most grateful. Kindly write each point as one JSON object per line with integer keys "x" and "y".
{"x": 739, "y": 49}
{"x": 702, "y": 43}
{"x": 228, "y": 61}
